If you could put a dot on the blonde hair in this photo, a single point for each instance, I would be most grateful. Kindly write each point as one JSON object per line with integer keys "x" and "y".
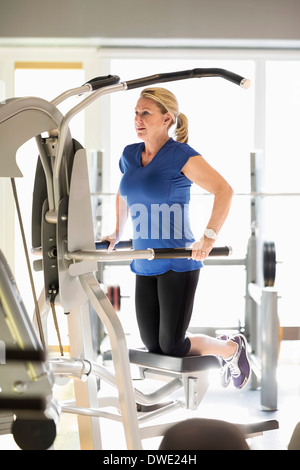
{"x": 168, "y": 103}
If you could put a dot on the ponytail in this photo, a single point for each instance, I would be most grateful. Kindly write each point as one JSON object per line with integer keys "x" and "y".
{"x": 181, "y": 132}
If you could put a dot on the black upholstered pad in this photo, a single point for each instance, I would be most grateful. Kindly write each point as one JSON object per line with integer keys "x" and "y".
{"x": 143, "y": 358}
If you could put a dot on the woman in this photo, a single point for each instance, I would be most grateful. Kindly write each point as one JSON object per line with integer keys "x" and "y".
{"x": 155, "y": 189}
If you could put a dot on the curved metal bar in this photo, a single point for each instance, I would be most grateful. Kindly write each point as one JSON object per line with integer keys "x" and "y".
{"x": 195, "y": 73}
{"x": 86, "y": 88}
{"x": 64, "y": 131}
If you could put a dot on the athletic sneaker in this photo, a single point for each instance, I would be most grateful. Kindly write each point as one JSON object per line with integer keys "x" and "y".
{"x": 239, "y": 363}
{"x": 225, "y": 374}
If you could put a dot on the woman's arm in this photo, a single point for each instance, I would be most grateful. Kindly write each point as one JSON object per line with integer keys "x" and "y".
{"x": 121, "y": 214}
{"x": 201, "y": 173}
{"x": 121, "y": 219}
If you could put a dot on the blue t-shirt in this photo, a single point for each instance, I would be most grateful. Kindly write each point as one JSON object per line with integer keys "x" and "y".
{"x": 158, "y": 198}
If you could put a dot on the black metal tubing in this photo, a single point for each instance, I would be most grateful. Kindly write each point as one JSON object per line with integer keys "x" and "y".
{"x": 31, "y": 355}
{"x": 23, "y": 403}
{"x": 195, "y": 73}
{"x": 163, "y": 253}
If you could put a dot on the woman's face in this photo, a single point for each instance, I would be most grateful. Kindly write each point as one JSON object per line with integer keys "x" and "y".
{"x": 149, "y": 120}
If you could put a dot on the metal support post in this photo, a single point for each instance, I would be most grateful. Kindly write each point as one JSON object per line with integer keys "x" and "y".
{"x": 195, "y": 387}
{"x": 269, "y": 349}
{"x": 268, "y": 326}
{"x": 86, "y": 389}
{"x": 253, "y": 260}
{"x": 120, "y": 358}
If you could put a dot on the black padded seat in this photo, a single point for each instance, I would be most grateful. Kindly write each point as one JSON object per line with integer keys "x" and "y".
{"x": 187, "y": 364}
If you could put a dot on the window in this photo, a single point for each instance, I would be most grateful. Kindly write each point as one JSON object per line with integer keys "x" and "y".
{"x": 282, "y": 126}
{"x": 226, "y": 124}
{"x": 43, "y": 80}
{"x": 221, "y": 128}
{"x": 282, "y": 169}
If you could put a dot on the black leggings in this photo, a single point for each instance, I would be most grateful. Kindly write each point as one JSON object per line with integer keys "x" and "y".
{"x": 164, "y": 305}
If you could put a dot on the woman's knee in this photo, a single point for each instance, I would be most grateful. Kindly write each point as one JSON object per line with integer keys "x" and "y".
{"x": 179, "y": 348}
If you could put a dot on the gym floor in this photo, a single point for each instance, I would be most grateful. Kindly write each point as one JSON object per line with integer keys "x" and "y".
{"x": 239, "y": 406}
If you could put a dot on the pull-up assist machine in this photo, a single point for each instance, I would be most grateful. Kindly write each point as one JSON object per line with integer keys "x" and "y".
{"x": 62, "y": 232}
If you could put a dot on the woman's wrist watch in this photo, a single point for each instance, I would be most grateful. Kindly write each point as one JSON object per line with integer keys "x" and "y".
{"x": 210, "y": 233}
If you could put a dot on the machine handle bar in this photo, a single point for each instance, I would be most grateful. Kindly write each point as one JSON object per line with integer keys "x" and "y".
{"x": 164, "y": 253}
{"x": 108, "y": 80}
{"x": 101, "y": 82}
{"x": 195, "y": 73}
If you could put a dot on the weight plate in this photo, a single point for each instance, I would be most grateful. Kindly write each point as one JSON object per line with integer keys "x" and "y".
{"x": 269, "y": 263}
